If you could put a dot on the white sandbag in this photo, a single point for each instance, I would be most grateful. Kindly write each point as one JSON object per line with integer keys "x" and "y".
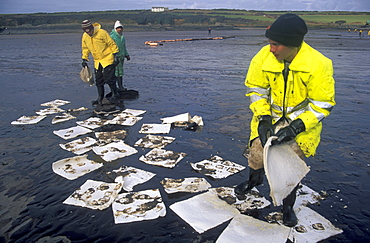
{"x": 284, "y": 170}
{"x": 86, "y": 75}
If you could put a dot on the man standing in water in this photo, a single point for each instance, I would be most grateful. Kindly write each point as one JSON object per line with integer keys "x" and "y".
{"x": 118, "y": 37}
{"x": 103, "y": 49}
{"x": 290, "y": 85}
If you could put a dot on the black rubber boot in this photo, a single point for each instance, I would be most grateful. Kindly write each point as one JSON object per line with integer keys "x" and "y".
{"x": 99, "y": 101}
{"x": 289, "y": 217}
{"x": 120, "y": 84}
{"x": 255, "y": 179}
{"x": 115, "y": 94}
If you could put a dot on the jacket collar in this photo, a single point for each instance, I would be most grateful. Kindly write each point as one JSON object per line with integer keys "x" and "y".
{"x": 301, "y": 61}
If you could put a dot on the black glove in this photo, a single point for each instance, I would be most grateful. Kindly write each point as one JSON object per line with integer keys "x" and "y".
{"x": 290, "y": 132}
{"x": 84, "y": 63}
{"x": 265, "y": 129}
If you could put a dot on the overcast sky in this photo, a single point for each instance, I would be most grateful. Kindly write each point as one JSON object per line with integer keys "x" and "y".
{"x": 50, "y": 6}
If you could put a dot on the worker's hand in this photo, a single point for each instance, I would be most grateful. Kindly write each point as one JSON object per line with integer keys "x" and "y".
{"x": 288, "y": 133}
{"x": 265, "y": 129}
{"x": 84, "y": 63}
{"x": 128, "y": 58}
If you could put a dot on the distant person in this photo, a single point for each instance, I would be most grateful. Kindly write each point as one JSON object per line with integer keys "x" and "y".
{"x": 118, "y": 37}
{"x": 360, "y": 33}
{"x": 368, "y": 33}
{"x": 104, "y": 51}
{"x": 289, "y": 84}
{"x": 209, "y": 31}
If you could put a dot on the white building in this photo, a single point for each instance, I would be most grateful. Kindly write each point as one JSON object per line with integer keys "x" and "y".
{"x": 159, "y": 9}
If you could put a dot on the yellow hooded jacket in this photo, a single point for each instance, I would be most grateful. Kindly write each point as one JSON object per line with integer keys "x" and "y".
{"x": 100, "y": 45}
{"x": 308, "y": 94}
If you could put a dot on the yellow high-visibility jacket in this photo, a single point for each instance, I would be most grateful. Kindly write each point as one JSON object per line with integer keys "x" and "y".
{"x": 308, "y": 93}
{"x": 100, "y": 45}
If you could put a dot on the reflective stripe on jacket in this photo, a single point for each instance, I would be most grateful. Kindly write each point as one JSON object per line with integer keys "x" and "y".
{"x": 308, "y": 93}
{"x": 100, "y": 45}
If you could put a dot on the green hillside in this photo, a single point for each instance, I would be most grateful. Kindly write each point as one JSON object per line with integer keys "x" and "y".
{"x": 177, "y": 19}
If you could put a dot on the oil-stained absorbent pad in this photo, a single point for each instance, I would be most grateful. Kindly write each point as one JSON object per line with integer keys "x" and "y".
{"x": 109, "y": 137}
{"x": 94, "y": 194}
{"x": 134, "y": 112}
{"x": 138, "y": 206}
{"x": 306, "y": 195}
{"x": 312, "y": 227}
{"x": 191, "y": 184}
{"x": 181, "y": 119}
{"x": 154, "y": 141}
{"x": 155, "y": 128}
{"x": 55, "y": 103}
{"x": 204, "y": 211}
{"x": 79, "y": 146}
{"x": 284, "y": 170}
{"x": 72, "y": 132}
{"x": 162, "y": 157}
{"x": 49, "y": 111}
{"x": 243, "y": 228}
{"x": 253, "y": 199}
{"x": 113, "y": 151}
{"x": 62, "y": 118}
{"x": 92, "y": 122}
{"x": 24, "y": 120}
{"x": 129, "y": 177}
{"x": 124, "y": 120}
{"x": 217, "y": 167}
{"x": 74, "y": 167}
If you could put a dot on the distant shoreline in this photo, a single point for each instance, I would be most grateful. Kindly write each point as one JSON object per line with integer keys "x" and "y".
{"x": 174, "y": 20}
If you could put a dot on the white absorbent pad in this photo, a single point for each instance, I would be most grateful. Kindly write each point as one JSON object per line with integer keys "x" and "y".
{"x": 284, "y": 170}
{"x": 129, "y": 177}
{"x": 243, "y": 228}
{"x": 113, "y": 151}
{"x": 55, "y": 103}
{"x": 75, "y": 167}
{"x": 155, "y": 128}
{"x": 205, "y": 211}
{"x": 62, "y": 118}
{"x": 72, "y": 132}
{"x": 94, "y": 194}
{"x": 23, "y": 120}
{"x": 217, "y": 167}
{"x": 79, "y": 146}
{"x": 162, "y": 157}
{"x": 138, "y": 206}
{"x": 154, "y": 141}
{"x": 190, "y": 184}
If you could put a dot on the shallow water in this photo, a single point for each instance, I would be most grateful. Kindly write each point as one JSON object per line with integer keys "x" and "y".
{"x": 203, "y": 78}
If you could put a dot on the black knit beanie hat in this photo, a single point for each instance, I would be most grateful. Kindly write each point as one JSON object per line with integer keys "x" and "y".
{"x": 289, "y": 30}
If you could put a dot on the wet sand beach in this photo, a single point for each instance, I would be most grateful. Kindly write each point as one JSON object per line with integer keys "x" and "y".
{"x": 204, "y": 78}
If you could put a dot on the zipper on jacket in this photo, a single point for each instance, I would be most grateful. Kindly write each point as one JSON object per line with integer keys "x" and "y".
{"x": 285, "y": 75}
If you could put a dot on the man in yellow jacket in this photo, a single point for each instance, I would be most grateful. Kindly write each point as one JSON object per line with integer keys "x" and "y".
{"x": 290, "y": 85}
{"x": 103, "y": 49}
